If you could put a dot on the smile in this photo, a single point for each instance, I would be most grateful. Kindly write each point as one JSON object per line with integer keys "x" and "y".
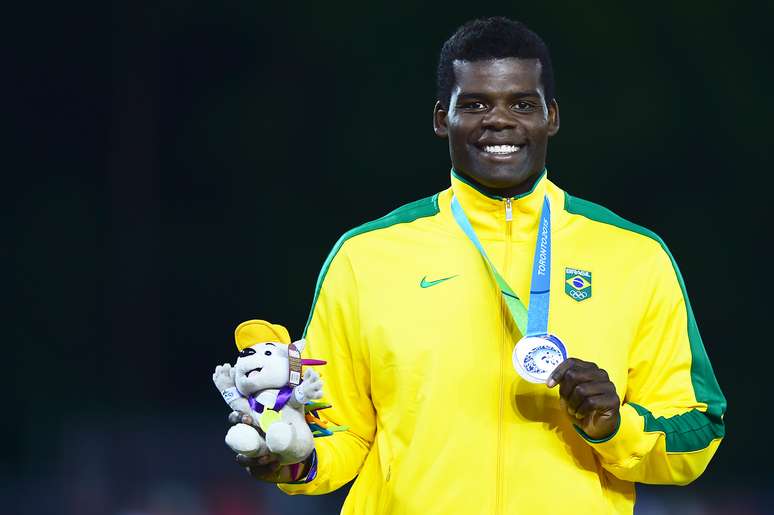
{"x": 257, "y": 369}
{"x": 501, "y": 150}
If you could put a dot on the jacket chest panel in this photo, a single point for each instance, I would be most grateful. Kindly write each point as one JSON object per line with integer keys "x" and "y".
{"x": 428, "y": 319}
{"x": 595, "y": 307}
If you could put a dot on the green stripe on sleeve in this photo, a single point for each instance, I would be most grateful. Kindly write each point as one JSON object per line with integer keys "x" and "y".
{"x": 408, "y": 213}
{"x": 695, "y": 429}
{"x": 691, "y": 431}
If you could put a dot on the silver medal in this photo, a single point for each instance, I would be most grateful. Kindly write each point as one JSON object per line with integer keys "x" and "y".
{"x": 535, "y": 357}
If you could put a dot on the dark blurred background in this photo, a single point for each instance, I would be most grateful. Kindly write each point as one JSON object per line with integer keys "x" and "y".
{"x": 170, "y": 171}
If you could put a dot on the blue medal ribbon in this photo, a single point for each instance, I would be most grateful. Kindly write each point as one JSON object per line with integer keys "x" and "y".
{"x": 532, "y": 321}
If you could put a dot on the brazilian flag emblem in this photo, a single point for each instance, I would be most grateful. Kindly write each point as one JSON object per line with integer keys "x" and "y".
{"x": 577, "y": 284}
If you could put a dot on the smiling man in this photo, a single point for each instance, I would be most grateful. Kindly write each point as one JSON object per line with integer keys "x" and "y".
{"x": 418, "y": 313}
{"x": 498, "y": 116}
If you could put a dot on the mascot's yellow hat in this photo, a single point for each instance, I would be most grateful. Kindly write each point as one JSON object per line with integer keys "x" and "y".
{"x": 252, "y": 332}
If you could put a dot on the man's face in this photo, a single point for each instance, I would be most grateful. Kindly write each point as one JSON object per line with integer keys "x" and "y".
{"x": 498, "y": 122}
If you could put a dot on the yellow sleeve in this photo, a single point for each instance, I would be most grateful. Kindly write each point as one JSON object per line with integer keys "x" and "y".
{"x": 672, "y": 416}
{"x": 333, "y": 334}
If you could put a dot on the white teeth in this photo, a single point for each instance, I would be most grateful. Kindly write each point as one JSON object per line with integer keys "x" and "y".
{"x": 501, "y": 149}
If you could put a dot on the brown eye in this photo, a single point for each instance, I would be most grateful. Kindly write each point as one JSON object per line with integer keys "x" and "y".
{"x": 268, "y": 353}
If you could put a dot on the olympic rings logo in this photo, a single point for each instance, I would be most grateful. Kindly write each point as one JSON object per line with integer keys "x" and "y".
{"x": 578, "y": 295}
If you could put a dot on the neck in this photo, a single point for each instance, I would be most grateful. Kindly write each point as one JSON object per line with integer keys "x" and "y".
{"x": 508, "y": 192}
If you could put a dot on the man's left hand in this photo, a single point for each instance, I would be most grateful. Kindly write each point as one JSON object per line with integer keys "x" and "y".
{"x": 589, "y": 396}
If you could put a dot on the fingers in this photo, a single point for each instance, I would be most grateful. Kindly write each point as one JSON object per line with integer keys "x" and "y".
{"x": 583, "y": 391}
{"x": 265, "y": 468}
{"x": 585, "y": 373}
{"x": 588, "y": 396}
{"x": 557, "y": 376}
{"x": 575, "y": 372}
{"x": 256, "y": 462}
{"x": 262, "y": 467}
{"x": 583, "y": 386}
{"x": 596, "y": 404}
{"x": 237, "y": 417}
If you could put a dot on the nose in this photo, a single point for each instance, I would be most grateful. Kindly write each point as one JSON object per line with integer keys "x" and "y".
{"x": 498, "y": 118}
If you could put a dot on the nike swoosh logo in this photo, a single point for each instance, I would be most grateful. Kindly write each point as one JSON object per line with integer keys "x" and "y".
{"x": 426, "y": 284}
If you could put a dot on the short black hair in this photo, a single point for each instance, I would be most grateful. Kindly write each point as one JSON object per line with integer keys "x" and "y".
{"x": 492, "y": 38}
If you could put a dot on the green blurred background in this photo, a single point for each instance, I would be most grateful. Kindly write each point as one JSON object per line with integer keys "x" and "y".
{"x": 171, "y": 170}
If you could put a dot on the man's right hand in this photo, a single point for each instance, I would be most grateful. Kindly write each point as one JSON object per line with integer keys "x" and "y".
{"x": 267, "y": 467}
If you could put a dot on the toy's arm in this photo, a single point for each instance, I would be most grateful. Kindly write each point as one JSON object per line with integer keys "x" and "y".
{"x": 309, "y": 389}
{"x": 333, "y": 335}
{"x": 224, "y": 382}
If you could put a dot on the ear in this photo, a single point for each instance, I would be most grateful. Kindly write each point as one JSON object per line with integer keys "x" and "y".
{"x": 553, "y": 118}
{"x": 440, "y": 119}
{"x": 300, "y": 344}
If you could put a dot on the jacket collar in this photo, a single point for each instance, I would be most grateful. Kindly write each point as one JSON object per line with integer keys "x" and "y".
{"x": 487, "y": 213}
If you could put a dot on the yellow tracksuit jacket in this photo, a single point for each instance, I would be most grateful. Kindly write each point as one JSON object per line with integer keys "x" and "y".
{"x": 420, "y": 369}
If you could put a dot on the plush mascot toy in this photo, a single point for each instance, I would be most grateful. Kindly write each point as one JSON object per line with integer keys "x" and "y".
{"x": 266, "y": 383}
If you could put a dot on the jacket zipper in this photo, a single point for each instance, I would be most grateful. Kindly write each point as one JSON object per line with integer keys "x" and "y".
{"x": 384, "y": 500}
{"x": 503, "y": 346}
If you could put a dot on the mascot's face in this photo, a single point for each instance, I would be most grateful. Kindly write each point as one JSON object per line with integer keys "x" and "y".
{"x": 260, "y": 367}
